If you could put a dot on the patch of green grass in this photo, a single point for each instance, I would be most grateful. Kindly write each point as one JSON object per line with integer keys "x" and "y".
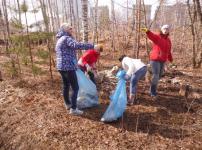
{"x": 11, "y": 69}
{"x": 41, "y": 62}
{"x": 41, "y": 53}
{"x": 37, "y": 71}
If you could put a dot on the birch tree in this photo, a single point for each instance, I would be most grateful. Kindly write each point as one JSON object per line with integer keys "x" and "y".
{"x": 195, "y": 13}
{"x": 113, "y": 27}
{"x": 85, "y": 20}
{"x": 95, "y": 31}
{"x": 8, "y": 37}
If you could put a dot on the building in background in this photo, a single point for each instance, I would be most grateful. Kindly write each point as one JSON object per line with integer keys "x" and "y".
{"x": 175, "y": 15}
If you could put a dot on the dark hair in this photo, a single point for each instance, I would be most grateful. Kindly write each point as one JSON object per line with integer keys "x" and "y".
{"x": 121, "y": 58}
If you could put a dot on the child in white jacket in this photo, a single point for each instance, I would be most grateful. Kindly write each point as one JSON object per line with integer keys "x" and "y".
{"x": 135, "y": 70}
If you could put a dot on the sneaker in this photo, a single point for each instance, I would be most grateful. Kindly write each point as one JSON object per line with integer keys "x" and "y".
{"x": 68, "y": 106}
{"x": 75, "y": 111}
{"x": 130, "y": 103}
{"x": 136, "y": 101}
{"x": 103, "y": 119}
{"x": 154, "y": 98}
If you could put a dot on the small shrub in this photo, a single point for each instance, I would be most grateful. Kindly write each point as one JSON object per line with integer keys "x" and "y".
{"x": 42, "y": 54}
{"x": 36, "y": 70}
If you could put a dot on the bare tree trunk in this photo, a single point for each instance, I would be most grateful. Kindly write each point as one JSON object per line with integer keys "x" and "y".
{"x": 20, "y": 20}
{"x": 138, "y": 29}
{"x": 132, "y": 29}
{"x": 193, "y": 35}
{"x": 64, "y": 14}
{"x": 85, "y": 19}
{"x": 113, "y": 27}
{"x": 182, "y": 37}
{"x": 117, "y": 33}
{"x": 74, "y": 19}
{"x": 29, "y": 44}
{"x": 46, "y": 21}
{"x": 127, "y": 13}
{"x": 78, "y": 20}
{"x": 198, "y": 5}
{"x": 19, "y": 12}
{"x": 57, "y": 13}
{"x": 8, "y": 39}
{"x": 65, "y": 11}
{"x": 198, "y": 34}
{"x": 70, "y": 11}
{"x": 95, "y": 32}
{"x": 136, "y": 44}
{"x": 7, "y": 24}
{"x": 35, "y": 20}
{"x": 145, "y": 21}
{"x": 51, "y": 13}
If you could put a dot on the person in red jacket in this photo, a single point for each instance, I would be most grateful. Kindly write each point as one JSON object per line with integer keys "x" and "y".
{"x": 160, "y": 53}
{"x": 87, "y": 62}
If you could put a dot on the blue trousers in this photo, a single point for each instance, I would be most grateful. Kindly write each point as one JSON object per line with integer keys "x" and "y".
{"x": 157, "y": 71}
{"x": 135, "y": 78}
{"x": 69, "y": 78}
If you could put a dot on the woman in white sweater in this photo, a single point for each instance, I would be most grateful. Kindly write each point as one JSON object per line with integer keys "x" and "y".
{"x": 135, "y": 70}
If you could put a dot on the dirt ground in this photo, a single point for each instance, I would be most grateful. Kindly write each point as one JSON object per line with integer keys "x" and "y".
{"x": 32, "y": 116}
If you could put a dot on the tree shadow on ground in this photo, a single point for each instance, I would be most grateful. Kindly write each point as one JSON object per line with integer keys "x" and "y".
{"x": 172, "y": 103}
{"x": 138, "y": 122}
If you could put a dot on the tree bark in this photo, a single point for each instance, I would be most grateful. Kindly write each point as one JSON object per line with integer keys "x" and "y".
{"x": 113, "y": 27}
{"x": 95, "y": 31}
{"x": 85, "y": 19}
{"x": 46, "y": 21}
{"x": 198, "y": 5}
{"x": 193, "y": 35}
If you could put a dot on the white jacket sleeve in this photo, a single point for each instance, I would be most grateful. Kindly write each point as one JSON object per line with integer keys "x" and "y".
{"x": 128, "y": 66}
{"x": 130, "y": 70}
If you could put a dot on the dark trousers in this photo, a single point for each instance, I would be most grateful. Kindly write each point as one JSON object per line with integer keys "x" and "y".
{"x": 92, "y": 77}
{"x": 135, "y": 78}
{"x": 69, "y": 78}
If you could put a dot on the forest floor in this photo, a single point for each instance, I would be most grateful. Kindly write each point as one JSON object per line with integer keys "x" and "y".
{"x": 33, "y": 116}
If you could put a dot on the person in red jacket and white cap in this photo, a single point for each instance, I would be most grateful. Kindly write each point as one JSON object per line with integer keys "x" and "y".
{"x": 160, "y": 53}
{"x": 87, "y": 62}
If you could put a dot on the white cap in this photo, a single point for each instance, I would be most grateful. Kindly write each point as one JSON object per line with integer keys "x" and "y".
{"x": 165, "y": 26}
{"x": 65, "y": 26}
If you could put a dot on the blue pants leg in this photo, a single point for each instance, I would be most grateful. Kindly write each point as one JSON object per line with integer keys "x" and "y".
{"x": 135, "y": 78}
{"x": 157, "y": 71}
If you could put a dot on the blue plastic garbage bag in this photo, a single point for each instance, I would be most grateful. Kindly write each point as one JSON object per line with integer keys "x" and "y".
{"x": 120, "y": 74}
{"x": 87, "y": 95}
{"x": 118, "y": 101}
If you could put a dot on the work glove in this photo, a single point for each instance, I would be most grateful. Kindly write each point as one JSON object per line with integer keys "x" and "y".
{"x": 144, "y": 29}
{"x": 127, "y": 77}
{"x": 95, "y": 74}
{"x": 88, "y": 68}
